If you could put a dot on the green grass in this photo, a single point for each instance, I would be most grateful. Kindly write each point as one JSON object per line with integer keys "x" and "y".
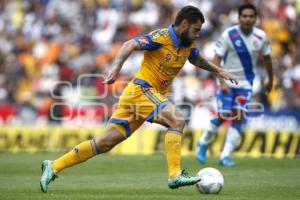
{"x": 144, "y": 177}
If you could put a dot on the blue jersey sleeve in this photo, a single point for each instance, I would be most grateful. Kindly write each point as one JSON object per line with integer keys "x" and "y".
{"x": 194, "y": 53}
{"x": 146, "y": 43}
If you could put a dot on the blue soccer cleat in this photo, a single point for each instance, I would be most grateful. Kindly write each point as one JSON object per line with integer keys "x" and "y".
{"x": 47, "y": 175}
{"x": 182, "y": 179}
{"x": 201, "y": 152}
{"x": 227, "y": 162}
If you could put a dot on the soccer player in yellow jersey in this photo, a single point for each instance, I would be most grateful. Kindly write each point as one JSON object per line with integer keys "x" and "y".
{"x": 144, "y": 98}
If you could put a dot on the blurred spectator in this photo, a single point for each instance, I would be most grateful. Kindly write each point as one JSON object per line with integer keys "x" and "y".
{"x": 46, "y": 43}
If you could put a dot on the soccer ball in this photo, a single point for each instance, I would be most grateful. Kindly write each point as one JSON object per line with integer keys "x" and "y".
{"x": 211, "y": 181}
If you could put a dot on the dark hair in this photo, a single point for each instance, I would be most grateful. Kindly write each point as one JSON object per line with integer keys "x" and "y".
{"x": 190, "y": 13}
{"x": 247, "y": 6}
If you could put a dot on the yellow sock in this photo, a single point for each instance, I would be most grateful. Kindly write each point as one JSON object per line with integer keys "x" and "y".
{"x": 80, "y": 153}
{"x": 173, "y": 152}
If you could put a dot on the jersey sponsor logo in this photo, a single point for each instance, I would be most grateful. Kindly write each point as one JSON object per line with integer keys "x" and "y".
{"x": 168, "y": 70}
{"x": 238, "y": 43}
{"x": 168, "y": 57}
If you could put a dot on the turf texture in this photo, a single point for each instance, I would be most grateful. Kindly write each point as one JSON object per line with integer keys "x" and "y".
{"x": 145, "y": 177}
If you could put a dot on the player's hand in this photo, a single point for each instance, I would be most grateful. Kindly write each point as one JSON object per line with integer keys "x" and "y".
{"x": 111, "y": 77}
{"x": 224, "y": 75}
{"x": 224, "y": 88}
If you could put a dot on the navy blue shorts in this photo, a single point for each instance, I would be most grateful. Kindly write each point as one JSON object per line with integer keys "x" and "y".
{"x": 237, "y": 98}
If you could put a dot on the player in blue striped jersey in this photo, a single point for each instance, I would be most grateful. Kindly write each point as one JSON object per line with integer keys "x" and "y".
{"x": 236, "y": 50}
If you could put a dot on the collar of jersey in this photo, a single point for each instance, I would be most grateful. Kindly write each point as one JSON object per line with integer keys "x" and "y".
{"x": 241, "y": 32}
{"x": 175, "y": 39}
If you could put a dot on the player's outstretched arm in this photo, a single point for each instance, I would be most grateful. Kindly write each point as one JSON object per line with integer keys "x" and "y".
{"x": 223, "y": 85}
{"x": 269, "y": 68}
{"x": 124, "y": 52}
{"x": 205, "y": 64}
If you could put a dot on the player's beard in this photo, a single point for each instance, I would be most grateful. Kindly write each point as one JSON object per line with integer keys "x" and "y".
{"x": 185, "y": 40}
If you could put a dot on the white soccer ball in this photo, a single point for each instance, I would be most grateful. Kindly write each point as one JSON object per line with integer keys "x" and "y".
{"x": 211, "y": 182}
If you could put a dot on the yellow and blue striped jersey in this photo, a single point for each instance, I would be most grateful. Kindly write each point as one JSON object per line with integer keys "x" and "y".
{"x": 164, "y": 57}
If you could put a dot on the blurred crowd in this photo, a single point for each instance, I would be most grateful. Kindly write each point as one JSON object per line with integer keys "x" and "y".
{"x": 54, "y": 55}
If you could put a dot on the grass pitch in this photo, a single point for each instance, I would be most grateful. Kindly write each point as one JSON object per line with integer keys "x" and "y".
{"x": 144, "y": 177}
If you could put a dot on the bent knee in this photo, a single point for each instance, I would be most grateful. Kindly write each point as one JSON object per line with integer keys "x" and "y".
{"x": 108, "y": 140}
{"x": 172, "y": 117}
{"x": 105, "y": 146}
{"x": 177, "y": 122}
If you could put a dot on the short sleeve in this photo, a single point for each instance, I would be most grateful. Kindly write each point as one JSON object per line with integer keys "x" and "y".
{"x": 221, "y": 46}
{"x": 151, "y": 41}
{"x": 194, "y": 53}
{"x": 266, "y": 47}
